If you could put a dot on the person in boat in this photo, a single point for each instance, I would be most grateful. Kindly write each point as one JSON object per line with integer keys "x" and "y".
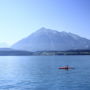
{"x": 65, "y": 67}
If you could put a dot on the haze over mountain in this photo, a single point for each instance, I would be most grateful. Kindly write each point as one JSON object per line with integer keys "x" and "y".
{"x": 51, "y": 40}
{"x": 3, "y": 45}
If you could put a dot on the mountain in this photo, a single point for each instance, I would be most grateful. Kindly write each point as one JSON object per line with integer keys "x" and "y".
{"x": 51, "y": 40}
{"x": 13, "y": 52}
{"x": 6, "y": 49}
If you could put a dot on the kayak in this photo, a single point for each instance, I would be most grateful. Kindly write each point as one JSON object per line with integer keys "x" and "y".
{"x": 65, "y": 67}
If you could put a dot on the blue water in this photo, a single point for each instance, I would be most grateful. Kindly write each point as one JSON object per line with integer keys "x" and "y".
{"x": 42, "y": 73}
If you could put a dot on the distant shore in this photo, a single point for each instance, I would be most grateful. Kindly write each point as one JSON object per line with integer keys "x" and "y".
{"x": 44, "y": 53}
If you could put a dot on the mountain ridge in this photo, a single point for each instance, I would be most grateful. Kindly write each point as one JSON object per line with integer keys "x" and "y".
{"x": 47, "y": 39}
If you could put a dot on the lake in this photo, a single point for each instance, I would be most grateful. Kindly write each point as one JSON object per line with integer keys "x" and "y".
{"x": 42, "y": 73}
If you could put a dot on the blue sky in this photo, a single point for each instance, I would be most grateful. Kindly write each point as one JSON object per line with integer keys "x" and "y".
{"x": 19, "y": 18}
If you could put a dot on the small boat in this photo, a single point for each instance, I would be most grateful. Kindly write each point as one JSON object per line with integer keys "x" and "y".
{"x": 66, "y": 67}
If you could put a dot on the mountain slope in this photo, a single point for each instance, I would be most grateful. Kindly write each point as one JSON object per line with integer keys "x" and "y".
{"x": 51, "y": 40}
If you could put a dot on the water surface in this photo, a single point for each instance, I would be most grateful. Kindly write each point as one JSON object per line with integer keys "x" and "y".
{"x": 42, "y": 73}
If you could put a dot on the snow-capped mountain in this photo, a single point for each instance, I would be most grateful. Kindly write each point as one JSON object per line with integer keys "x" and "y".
{"x": 52, "y": 40}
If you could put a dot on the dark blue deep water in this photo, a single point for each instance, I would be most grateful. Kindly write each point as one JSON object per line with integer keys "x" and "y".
{"x": 42, "y": 73}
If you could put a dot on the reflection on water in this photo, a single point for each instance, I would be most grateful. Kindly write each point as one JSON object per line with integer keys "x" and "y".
{"x": 42, "y": 73}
